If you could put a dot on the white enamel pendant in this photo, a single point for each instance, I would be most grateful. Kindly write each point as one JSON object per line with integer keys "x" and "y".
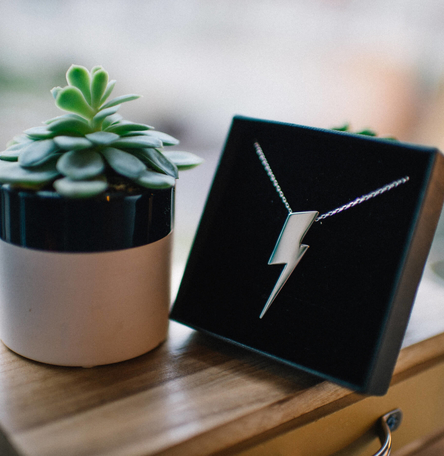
{"x": 289, "y": 249}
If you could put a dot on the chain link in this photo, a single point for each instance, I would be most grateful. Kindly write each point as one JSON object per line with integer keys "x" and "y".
{"x": 272, "y": 177}
{"x": 364, "y": 198}
{"x": 338, "y": 210}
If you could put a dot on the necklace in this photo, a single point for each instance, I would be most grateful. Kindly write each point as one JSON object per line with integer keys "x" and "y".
{"x": 289, "y": 248}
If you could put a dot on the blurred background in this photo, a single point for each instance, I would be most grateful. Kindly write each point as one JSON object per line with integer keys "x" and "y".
{"x": 377, "y": 64}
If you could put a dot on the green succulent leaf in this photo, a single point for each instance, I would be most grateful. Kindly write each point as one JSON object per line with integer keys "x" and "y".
{"x": 124, "y": 163}
{"x": 167, "y": 140}
{"x": 366, "y": 132}
{"x": 96, "y": 68}
{"x": 102, "y": 138}
{"x": 36, "y": 152}
{"x": 12, "y": 152}
{"x": 134, "y": 133}
{"x": 80, "y": 188}
{"x": 66, "y": 116}
{"x": 127, "y": 128}
{"x": 39, "y": 133}
{"x": 183, "y": 160}
{"x": 102, "y": 114}
{"x": 69, "y": 126}
{"x": 138, "y": 142}
{"x": 71, "y": 99}
{"x": 345, "y": 127}
{"x": 111, "y": 120}
{"x": 154, "y": 180}
{"x": 157, "y": 161}
{"x": 72, "y": 142}
{"x": 11, "y": 156}
{"x": 19, "y": 139}
{"x": 55, "y": 91}
{"x": 78, "y": 76}
{"x": 120, "y": 100}
{"x": 108, "y": 90}
{"x": 81, "y": 164}
{"x": 98, "y": 86}
{"x": 18, "y": 146}
{"x": 13, "y": 173}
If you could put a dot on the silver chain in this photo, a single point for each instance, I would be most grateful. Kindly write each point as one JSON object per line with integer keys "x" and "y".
{"x": 272, "y": 177}
{"x": 349, "y": 205}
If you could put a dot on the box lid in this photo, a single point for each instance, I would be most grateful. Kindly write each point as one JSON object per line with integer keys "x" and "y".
{"x": 330, "y": 295}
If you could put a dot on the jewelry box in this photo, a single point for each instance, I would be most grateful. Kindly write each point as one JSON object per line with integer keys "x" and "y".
{"x": 311, "y": 248}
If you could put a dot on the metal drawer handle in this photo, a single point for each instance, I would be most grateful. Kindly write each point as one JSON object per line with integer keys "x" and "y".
{"x": 389, "y": 422}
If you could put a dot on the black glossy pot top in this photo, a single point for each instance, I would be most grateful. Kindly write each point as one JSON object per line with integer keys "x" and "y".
{"x": 46, "y": 221}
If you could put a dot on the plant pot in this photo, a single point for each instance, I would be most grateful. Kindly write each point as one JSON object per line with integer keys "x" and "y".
{"x": 84, "y": 282}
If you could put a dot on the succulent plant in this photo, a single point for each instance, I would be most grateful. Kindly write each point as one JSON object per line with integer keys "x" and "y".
{"x": 82, "y": 152}
{"x": 365, "y": 132}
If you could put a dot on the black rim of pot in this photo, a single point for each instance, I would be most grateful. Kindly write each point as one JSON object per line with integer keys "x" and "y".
{"x": 44, "y": 220}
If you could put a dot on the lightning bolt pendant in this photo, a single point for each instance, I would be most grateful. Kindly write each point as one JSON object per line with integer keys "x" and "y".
{"x": 289, "y": 249}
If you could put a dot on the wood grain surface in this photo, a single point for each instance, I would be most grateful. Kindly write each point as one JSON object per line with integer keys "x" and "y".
{"x": 193, "y": 395}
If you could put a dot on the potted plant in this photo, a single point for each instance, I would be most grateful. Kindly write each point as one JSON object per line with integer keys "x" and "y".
{"x": 87, "y": 212}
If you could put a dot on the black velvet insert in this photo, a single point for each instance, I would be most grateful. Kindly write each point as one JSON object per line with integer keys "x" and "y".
{"x": 333, "y": 316}
{"x": 46, "y": 221}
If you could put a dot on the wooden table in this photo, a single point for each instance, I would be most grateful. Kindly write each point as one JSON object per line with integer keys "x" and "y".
{"x": 195, "y": 395}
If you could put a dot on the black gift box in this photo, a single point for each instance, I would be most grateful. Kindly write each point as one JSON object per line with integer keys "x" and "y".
{"x": 344, "y": 309}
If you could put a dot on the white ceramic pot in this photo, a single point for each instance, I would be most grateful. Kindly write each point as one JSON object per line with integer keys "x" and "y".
{"x": 85, "y": 308}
